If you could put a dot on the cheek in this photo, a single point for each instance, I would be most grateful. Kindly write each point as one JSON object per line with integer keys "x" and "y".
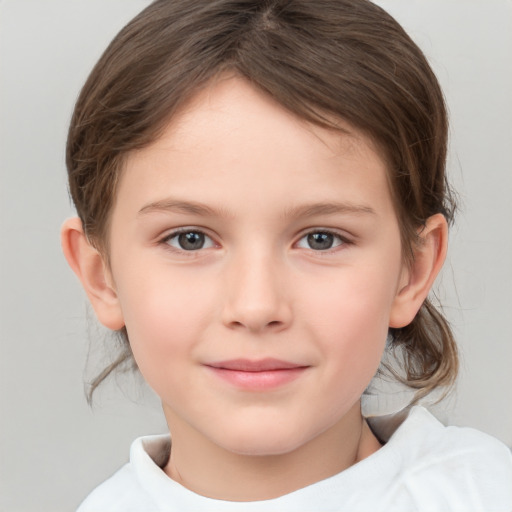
{"x": 349, "y": 316}
{"x": 165, "y": 320}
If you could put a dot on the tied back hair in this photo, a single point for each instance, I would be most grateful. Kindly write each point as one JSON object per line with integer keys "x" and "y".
{"x": 323, "y": 60}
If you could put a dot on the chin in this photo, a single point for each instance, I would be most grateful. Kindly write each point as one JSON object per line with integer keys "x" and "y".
{"x": 260, "y": 442}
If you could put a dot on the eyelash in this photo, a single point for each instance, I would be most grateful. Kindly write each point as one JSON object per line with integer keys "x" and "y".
{"x": 165, "y": 241}
{"x": 343, "y": 241}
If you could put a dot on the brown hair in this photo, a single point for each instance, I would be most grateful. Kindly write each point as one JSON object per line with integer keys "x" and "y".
{"x": 320, "y": 59}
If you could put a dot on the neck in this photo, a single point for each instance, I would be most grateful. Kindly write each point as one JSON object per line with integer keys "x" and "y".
{"x": 210, "y": 470}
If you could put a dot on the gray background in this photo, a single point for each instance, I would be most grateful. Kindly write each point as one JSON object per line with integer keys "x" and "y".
{"x": 53, "y": 447}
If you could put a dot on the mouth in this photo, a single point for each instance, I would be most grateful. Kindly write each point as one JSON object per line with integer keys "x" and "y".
{"x": 257, "y": 375}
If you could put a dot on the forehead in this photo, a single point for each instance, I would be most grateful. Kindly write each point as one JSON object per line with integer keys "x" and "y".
{"x": 232, "y": 142}
{"x": 229, "y": 103}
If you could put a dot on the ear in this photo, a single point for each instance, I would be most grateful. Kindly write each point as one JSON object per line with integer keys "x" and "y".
{"x": 417, "y": 280}
{"x": 89, "y": 266}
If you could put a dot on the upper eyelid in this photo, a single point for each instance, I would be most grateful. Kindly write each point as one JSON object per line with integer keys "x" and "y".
{"x": 301, "y": 234}
{"x": 173, "y": 233}
{"x": 163, "y": 240}
{"x": 345, "y": 239}
{"x": 187, "y": 229}
{"x": 332, "y": 231}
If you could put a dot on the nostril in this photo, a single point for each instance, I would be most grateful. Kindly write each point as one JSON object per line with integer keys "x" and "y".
{"x": 257, "y": 326}
{"x": 273, "y": 323}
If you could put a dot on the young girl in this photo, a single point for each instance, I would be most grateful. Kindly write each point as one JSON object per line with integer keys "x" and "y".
{"x": 263, "y": 210}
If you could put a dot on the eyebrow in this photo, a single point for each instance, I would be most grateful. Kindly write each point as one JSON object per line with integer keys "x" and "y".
{"x": 305, "y": 210}
{"x": 331, "y": 208}
{"x": 190, "y": 207}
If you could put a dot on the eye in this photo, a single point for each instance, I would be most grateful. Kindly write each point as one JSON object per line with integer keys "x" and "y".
{"x": 188, "y": 240}
{"x": 321, "y": 240}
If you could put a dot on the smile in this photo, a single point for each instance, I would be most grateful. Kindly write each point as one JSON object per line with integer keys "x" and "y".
{"x": 257, "y": 375}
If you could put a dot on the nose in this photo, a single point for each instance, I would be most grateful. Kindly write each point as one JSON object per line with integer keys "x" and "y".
{"x": 256, "y": 298}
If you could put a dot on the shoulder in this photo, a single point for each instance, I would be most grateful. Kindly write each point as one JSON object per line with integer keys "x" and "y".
{"x": 125, "y": 490}
{"x": 461, "y": 467}
{"x": 429, "y": 439}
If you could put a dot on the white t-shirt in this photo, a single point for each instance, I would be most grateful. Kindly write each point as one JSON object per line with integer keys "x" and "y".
{"x": 424, "y": 466}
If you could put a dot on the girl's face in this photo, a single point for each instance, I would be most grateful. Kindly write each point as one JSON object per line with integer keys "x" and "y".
{"x": 256, "y": 260}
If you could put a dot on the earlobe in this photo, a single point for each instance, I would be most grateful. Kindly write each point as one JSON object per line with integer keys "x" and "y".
{"x": 89, "y": 266}
{"x": 429, "y": 256}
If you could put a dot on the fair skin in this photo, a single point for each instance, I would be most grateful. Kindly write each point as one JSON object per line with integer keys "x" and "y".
{"x": 262, "y": 327}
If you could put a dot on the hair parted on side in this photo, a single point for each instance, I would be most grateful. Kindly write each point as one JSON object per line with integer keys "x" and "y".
{"x": 322, "y": 60}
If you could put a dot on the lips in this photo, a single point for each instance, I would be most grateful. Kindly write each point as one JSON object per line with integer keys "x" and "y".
{"x": 262, "y": 365}
{"x": 257, "y": 375}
